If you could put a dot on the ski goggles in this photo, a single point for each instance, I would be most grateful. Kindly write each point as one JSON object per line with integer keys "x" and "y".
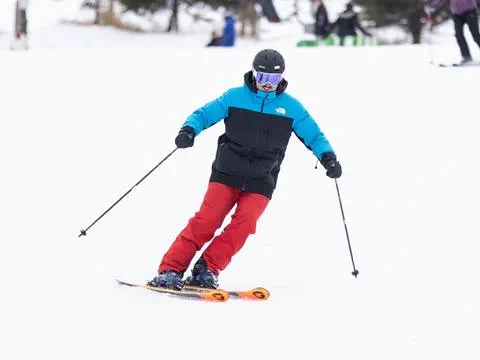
{"x": 267, "y": 78}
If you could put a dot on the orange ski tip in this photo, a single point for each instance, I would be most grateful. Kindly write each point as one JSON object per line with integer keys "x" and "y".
{"x": 255, "y": 294}
{"x": 215, "y": 295}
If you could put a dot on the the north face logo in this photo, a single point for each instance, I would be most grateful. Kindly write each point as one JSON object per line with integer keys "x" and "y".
{"x": 281, "y": 110}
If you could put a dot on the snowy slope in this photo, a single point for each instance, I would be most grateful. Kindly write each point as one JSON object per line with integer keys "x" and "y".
{"x": 80, "y": 127}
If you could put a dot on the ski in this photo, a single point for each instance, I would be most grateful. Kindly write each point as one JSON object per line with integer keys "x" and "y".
{"x": 257, "y": 293}
{"x": 208, "y": 295}
{"x": 459, "y": 64}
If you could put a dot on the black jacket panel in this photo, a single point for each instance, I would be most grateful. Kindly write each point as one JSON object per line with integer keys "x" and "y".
{"x": 251, "y": 151}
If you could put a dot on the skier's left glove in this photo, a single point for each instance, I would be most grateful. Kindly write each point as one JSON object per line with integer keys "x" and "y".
{"x": 185, "y": 137}
{"x": 331, "y": 164}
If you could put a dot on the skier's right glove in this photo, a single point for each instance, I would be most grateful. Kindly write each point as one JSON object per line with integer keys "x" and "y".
{"x": 331, "y": 164}
{"x": 185, "y": 137}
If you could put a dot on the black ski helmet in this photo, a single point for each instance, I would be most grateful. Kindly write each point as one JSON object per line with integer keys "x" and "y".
{"x": 269, "y": 61}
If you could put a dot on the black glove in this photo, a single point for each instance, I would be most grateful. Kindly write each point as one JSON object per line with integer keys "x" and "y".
{"x": 185, "y": 137}
{"x": 330, "y": 163}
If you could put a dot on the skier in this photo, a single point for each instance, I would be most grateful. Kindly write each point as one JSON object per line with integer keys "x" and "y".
{"x": 347, "y": 24}
{"x": 463, "y": 12}
{"x": 259, "y": 119}
{"x": 322, "y": 23}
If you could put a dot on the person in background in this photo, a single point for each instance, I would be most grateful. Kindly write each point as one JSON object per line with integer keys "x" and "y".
{"x": 259, "y": 119}
{"x": 229, "y": 32}
{"x": 322, "y": 23}
{"x": 347, "y": 24}
{"x": 463, "y": 12}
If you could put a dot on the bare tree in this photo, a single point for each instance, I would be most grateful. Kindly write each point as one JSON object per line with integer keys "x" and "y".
{"x": 247, "y": 15}
{"x": 173, "y": 23}
{"x": 405, "y": 13}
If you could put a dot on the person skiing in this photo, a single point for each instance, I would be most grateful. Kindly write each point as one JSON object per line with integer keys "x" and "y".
{"x": 463, "y": 12}
{"x": 259, "y": 118}
{"x": 322, "y": 23}
{"x": 347, "y": 24}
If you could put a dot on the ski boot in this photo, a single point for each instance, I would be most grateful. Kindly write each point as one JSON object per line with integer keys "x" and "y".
{"x": 202, "y": 277}
{"x": 168, "y": 279}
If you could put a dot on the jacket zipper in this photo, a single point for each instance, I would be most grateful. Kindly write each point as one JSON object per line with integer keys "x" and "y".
{"x": 256, "y": 142}
{"x": 263, "y": 103}
{"x": 258, "y": 132}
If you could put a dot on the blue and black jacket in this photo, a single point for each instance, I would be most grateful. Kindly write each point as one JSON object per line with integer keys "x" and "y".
{"x": 258, "y": 126}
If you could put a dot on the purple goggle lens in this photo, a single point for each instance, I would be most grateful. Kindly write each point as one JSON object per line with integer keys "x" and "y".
{"x": 267, "y": 78}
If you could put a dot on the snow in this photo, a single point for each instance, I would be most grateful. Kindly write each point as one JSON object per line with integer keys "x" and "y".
{"x": 41, "y": 12}
{"x": 89, "y": 111}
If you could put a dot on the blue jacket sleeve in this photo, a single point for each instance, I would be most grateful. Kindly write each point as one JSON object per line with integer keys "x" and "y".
{"x": 209, "y": 114}
{"x": 310, "y": 134}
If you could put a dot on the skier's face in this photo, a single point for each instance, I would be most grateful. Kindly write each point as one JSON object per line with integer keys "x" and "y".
{"x": 266, "y": 87}
{"x": 267, "y": 81}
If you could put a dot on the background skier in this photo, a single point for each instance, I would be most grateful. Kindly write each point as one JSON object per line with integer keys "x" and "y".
{"x": 322, "y": 23}
{"x": 463, "y": 12}
{"x": 347, "y": 24}
{"x": 259, "y": 119}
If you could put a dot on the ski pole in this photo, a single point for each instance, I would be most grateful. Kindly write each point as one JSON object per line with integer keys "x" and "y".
{"x": 430, "y": 40}
{"x": 355, "y": 271}
{"x": 84, "y": 232}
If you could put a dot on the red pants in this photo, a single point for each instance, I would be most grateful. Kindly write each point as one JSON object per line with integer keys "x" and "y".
{"x": 218, "y": 202}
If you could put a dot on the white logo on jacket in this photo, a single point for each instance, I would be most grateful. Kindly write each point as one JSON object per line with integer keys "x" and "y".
{"x": 281, "y": 110}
